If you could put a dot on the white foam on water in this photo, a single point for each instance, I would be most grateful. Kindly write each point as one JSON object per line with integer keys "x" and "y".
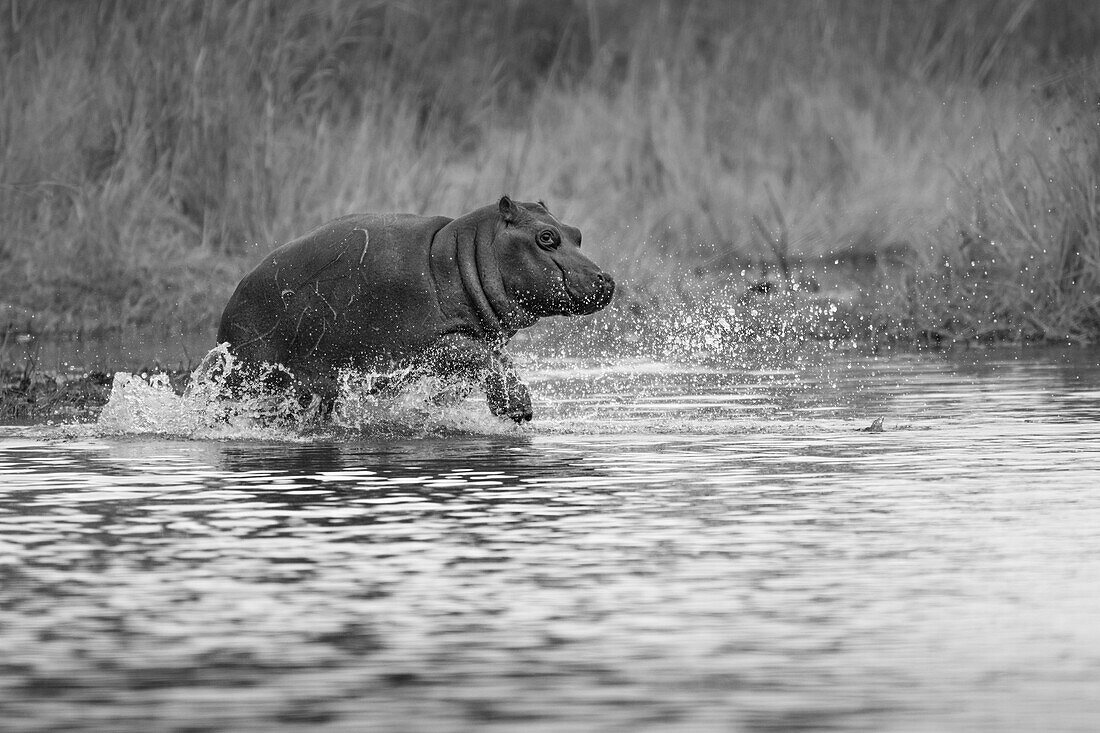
{"x": 209, "y": 410}
{"x": 425, "y": 406}
{"x": 571, "y": 396}
{"x": 147, "y": 405}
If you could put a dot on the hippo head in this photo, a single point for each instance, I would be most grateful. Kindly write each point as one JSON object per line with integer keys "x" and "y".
{"x": 541, "y": 264}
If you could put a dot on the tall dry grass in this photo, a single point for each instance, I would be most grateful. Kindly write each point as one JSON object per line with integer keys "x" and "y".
{"x": 150, "y": 152}
{"x": 1027, "y": 261}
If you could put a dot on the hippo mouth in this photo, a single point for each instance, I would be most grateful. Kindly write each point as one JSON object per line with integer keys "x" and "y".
{"x": 584, "y": 303}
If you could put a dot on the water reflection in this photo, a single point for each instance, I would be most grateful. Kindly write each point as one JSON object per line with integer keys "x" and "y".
{"x": 763, "y": 566}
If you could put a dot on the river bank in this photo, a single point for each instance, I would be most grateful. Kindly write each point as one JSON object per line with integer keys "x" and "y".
{"x": 948, "y": 154}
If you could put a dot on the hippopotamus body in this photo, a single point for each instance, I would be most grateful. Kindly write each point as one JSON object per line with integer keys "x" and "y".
{"x": 439, "y": 294}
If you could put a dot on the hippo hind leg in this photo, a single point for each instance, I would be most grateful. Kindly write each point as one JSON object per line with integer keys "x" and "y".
{"x": 257, "y": 370}
{"x": 260, "y": 370}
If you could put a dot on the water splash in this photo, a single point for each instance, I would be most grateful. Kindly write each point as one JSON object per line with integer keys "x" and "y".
{"x": 221, "y": 401}
{"x": 699, "y": 335}
{"x": 422, "y": 406}
{"x": 147, "y": 404}
{"x": 717, "y": 325}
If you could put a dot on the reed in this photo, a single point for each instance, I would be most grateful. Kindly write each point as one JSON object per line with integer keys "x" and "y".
{"x": 151, "y": 152}
{"x": 1026, "y": 260}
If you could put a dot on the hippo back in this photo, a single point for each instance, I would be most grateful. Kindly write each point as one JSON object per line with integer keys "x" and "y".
{"x": 356, "y": 289}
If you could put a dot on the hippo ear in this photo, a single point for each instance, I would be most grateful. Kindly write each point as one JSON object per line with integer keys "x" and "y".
{"x": 508, "y": 210}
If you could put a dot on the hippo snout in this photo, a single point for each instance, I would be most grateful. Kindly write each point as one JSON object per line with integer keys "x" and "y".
{"x": 594, "y": 294}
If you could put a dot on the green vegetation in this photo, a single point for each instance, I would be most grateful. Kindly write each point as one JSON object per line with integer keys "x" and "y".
{"x": 932, "y": 164}
{"x": 32, "y": 396}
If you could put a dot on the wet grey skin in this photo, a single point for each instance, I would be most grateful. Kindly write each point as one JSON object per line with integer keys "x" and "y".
{"x": 440, "y": 295}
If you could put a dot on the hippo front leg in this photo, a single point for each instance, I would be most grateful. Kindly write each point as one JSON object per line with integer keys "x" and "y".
{"x": 507, "y": 395}
{"x": 495, "y": 372}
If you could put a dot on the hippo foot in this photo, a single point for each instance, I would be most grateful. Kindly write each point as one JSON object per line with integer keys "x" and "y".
{"x": 508, "y": 397}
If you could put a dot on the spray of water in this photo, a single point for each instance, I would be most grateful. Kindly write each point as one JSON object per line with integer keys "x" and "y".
{"x": 224, "y": 401}
{"x": 617, "y": 371}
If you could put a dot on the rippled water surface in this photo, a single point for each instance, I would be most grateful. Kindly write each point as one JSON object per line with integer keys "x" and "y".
{"x": 668, "y": 546}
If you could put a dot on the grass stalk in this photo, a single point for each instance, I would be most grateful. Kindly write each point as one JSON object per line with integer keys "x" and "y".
{"x": 953, "y": 145}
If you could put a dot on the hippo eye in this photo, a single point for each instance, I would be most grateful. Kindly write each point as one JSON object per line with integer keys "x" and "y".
{"x": 548, "y": 239}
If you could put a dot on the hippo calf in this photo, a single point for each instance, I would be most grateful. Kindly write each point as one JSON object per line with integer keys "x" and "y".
{"x": 440, "y": 295}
